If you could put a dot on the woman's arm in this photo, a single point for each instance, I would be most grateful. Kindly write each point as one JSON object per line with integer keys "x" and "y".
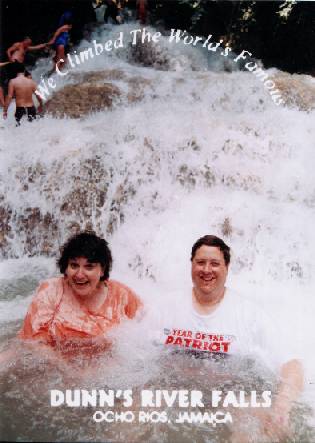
{"x": 134, "y": 306}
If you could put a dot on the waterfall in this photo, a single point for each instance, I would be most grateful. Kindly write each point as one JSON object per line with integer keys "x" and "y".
{"x": 170, "y": 146}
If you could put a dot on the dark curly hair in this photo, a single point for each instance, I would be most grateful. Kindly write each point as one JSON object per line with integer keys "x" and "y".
{"x": 212, "y": 240}
{"x": 89, "y": 246}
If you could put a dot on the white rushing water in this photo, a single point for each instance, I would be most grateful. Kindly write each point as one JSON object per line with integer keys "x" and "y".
{"x": 203, "y": 152}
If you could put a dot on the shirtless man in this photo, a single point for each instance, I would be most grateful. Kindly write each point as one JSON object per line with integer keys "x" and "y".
{"x": 16, "y": 52}
{"x": 23, "y": 89}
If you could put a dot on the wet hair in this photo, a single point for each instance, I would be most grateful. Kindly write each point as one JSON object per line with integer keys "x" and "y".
{"x": 27, "y": 37}
{"x": 66, "y": 18}
{"x": 90, "y": 246}
{"x": 212, "y": 240}
{"x": 18, "y": 67}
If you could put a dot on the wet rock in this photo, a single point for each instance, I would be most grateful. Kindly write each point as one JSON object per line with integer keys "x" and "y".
{"x": 96, "y": 91}
{"x": 137, "y": 87}
{"x": 295, "y": 270}
{"x": 81, "y": 198}
{"x": 5, "y": 227}
{"x": 123, "y": 192}
{"x": 74, "y": 101}
{"x": 37, "y": 231}
{"x": 150, "y": 55}
{"x": 188, "y": 177}
{"x": 296, "y": 90}
{"x": 226, "y": 227}
{"x": 96, "y": 76}
{"x": 73, "y": 227}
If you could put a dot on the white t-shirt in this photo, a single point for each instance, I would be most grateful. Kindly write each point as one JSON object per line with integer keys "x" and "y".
{"x": 237, "y": 327}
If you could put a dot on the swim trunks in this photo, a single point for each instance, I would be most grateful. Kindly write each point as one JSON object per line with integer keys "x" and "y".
{"x": 21, "y": 111}
{"x": 62, "y": 39}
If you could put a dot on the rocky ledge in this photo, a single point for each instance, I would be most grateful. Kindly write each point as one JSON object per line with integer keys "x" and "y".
{"x": 95, "y": 91}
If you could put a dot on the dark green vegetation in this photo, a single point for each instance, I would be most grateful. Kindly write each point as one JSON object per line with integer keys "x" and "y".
{"x": 280, "y": 33}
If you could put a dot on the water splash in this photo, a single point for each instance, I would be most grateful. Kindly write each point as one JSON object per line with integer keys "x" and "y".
{"x": 198, "y": 152}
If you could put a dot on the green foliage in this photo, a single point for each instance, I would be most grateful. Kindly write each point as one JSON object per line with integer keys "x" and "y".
{"x": 281, "y": 33}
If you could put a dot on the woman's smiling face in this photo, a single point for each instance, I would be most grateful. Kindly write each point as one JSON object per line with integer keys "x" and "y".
{"x": 83, "y": 276}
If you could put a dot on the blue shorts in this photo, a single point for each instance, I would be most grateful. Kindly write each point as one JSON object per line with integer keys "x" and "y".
{"x": 62, "y": 40}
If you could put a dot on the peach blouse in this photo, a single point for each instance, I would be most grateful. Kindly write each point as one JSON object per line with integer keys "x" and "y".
{"x": 56, "y": 315}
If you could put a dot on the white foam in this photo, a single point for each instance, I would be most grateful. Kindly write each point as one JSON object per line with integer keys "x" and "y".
{"x": 203, "y": 150}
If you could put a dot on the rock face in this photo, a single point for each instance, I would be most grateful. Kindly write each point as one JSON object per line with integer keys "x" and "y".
{"x": 150, "y": 55}
{"x": 76, "y": 100}
{"x": 95, "y": 91}
{"x": 84, "y": 193}
{"x": 297, "y": 90}
{"x": 89, "y": 93}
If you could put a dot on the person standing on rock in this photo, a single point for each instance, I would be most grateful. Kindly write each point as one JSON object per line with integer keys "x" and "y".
{"x": 60, "y": 41}
{"x": 111, "y": 11}
{"x": 16, "y": 52}
{"x": 16, "y": 55}
{"x": 142, "y": 11}
{"x": 22, "y": 88}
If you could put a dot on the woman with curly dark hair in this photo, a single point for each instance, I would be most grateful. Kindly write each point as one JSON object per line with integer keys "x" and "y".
{"x": 80, "y": 307}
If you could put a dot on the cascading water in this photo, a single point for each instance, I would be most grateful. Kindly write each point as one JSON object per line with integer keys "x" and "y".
{"x": 184, "y": 150}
